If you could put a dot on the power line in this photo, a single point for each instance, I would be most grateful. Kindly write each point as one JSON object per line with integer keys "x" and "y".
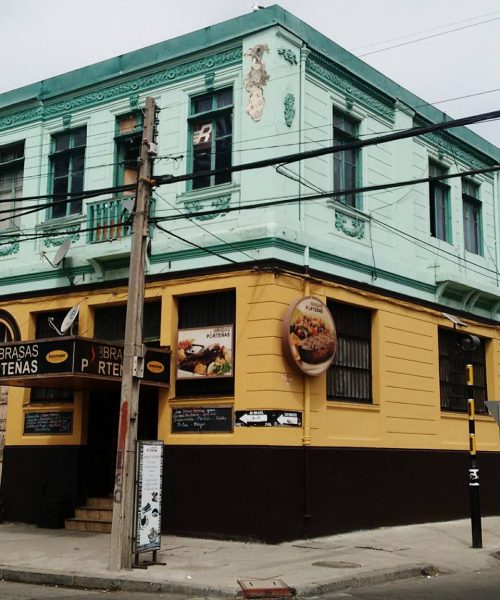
{"x": 428, "y": 37}
{"x": 402, "y": 37}
{"x": 190, "y": 243}
{"x": 306, "y": 154}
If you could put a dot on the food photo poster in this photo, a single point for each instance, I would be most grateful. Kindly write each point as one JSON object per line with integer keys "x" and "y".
{"x": 205, "y": 352}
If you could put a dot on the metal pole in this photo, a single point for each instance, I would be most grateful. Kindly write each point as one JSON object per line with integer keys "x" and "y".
{"x": 475, "y": 508}
{"x": 133, "y": 355}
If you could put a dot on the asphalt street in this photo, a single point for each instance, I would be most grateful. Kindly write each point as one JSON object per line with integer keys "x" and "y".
{"x": 476, "y": 585}
{"x": 28, "y": 591}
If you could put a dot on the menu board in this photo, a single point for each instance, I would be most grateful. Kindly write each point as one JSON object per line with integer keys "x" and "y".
{"x": 48, "y": 423}
{"x": 149, "y": 483}
{"x": 202, "y": 419}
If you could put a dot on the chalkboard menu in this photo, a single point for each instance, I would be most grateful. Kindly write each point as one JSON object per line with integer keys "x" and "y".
{"x": 48, "y": 423}
{"x": 202, "y": 419}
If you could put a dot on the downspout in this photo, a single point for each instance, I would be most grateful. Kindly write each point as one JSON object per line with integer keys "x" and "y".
{"x": 306, "y": 437}
{"x": 306, "y": 433}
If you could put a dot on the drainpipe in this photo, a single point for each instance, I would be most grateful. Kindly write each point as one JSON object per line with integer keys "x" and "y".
{"x": 306, "y": 437}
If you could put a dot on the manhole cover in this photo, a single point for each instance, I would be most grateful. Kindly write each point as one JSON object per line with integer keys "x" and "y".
{"x": 335, "y": 564}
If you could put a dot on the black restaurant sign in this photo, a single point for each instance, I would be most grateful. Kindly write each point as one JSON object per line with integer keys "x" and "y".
{"x": 84, "y": 358}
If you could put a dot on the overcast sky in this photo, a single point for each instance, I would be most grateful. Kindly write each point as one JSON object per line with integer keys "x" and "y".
{"x": 42, "y": 39}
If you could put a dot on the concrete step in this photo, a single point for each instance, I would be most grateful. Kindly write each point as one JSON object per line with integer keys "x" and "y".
{"x": 86, "y": 525}
{"x": 94, "y": 514}
{"x": 106, "y": 503}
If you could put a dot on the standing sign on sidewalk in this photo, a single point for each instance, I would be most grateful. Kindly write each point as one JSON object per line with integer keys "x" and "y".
{"x": 148, "y": 498}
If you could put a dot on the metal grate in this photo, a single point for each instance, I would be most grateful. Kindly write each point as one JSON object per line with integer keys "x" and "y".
{"x": 452, "y": 378}
{"x": 350, "y": 376}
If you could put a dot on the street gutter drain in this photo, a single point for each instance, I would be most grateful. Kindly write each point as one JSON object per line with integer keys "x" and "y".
{"x": 274, "y": 588}
{"x": 331, "y": 564}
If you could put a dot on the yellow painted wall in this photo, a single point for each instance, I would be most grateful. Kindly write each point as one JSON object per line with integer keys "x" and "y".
{"x": 406, "y": 406}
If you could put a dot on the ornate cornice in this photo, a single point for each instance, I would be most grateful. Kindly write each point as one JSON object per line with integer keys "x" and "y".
{"x": 124, "y": 89}
{"x": 446, "y": 145}
{"x": 350, "y": 86}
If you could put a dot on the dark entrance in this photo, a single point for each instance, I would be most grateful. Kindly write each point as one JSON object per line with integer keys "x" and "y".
{"x": 103, "y": 414}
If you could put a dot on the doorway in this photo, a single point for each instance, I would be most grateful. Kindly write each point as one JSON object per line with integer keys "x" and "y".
{"x": 102, "y": 435}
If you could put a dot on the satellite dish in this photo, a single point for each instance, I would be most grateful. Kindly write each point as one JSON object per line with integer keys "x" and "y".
{"x": 61, "y": 252}
{"x": 69, "y": 319}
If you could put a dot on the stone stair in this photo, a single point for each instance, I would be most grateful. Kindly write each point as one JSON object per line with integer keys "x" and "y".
{"x": 95, "y": 516}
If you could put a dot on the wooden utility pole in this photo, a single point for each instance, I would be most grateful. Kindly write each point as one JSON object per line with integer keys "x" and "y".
{"x": 120, "y": 556}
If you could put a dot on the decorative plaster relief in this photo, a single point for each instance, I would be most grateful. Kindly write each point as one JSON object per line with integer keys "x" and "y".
{"x": 219, "y": 204}
{"x": 10, "y": 247}
{"x": 351, "y": 226}
{"x": 56, "y": 239}
{"x": 288, "y": 55}
{"x": 289, "y": 109}
{"x": 257, "y": 77}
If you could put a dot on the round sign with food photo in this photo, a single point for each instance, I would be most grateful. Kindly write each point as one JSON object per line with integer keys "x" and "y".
{"x": 309, "y": 337}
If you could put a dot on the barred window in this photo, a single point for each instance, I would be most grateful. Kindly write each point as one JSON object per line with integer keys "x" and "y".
{"x": 350, "y": 376}
{"x": 452, "y": 376}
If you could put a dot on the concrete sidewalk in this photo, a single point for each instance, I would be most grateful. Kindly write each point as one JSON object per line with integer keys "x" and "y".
{"x": 211, "y": 567}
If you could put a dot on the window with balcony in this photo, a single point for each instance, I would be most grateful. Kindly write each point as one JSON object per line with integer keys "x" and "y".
{"x": 11, "y": 182}
{"x": 346, "y": 162}
{"x": 67, "y": 161}
{"x": 211, "y": 133}
{"x": 439, "y": 204}
{"x": 472, "y": 216}
{"x": 128, "y": 148}
{"x": 349, "y": 379}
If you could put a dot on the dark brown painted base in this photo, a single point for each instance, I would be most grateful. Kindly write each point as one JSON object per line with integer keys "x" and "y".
{"x": 261, "y": 492}
{"x": 41, "y": 484}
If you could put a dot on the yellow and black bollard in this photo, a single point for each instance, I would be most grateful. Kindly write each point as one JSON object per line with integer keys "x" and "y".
{"x": 475, "y": 508}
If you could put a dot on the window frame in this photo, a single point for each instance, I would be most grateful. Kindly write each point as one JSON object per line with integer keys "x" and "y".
{"x": 72, "y": 153}
{"x": 206, "y": 387}
{"x": 453, "y": 390}
{"x": 122, "y": 138}
{"x": 202, "y": 117}
{"x": 473, "y": 239}
{"x": 344, "y": 136}
{"x": 346, "y": 361}
{"x": 439, "y": 215}
{"x": 14, "y": 168}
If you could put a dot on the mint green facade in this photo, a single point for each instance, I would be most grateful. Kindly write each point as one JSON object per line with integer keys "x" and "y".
{"x": 308, "y": 77}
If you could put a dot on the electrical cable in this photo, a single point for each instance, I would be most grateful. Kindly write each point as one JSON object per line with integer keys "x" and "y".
{"x": 204, "y": 229}
{"x": 428, "y": 37}
{"x": 190, "y": 243}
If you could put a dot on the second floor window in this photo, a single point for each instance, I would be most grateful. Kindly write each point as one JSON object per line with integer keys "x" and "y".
{"x": 346, "y": 162}
{"x": 11, "y": 181}
{"x": 211, "y": 131}
{"x": 128, "y": 148}
{"x": 67, "y": 166}
{"x": 439, "y": 204}
{"x": 472, "y": 216}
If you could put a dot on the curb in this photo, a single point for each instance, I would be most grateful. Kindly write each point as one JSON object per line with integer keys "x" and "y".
{"x": 362, "y": 579}
{"x": 74, "y": 580}
{"x": 113, "y": 583}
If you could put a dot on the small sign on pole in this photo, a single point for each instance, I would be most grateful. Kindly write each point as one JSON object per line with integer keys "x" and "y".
{"x": 148, "y": 500}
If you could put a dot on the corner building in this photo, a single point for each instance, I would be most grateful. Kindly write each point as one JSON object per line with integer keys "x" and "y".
{"x": 254, "y": 449}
